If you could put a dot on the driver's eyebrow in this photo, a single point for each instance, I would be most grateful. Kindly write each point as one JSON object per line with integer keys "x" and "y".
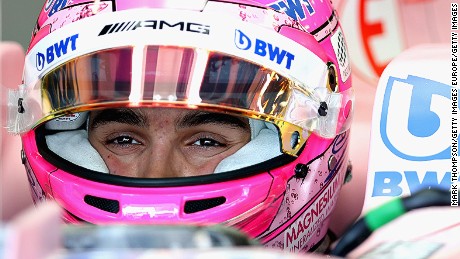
{"x": 196, "y": 118}
{"x": 121, "y": 115}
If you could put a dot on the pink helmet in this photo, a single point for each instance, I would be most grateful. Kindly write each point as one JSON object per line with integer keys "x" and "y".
{"x": 287, "y": 73}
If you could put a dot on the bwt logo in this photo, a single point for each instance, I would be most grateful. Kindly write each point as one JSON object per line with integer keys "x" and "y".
{"x": 416, "y": 119}
{"x": 296, "y": 9}
{"x": 54, "y": 6}
{"x": 389, "y": 183}
{"x": 263, "y": 49}
{"x": 56, "y": 50}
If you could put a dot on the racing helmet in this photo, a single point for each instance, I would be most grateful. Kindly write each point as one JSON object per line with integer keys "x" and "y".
{"x": 284, "y": 69}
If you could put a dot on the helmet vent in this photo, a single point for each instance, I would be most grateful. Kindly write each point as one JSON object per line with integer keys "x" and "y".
{"x": 112, "y": 206}
{"x": 204, "y": 204}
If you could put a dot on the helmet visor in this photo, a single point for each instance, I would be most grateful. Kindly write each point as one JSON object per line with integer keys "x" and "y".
{"x": 181, "y": 76}
{"x": 164, "y": 76}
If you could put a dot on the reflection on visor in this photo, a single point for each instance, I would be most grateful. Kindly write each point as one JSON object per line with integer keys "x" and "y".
{"x": 170, "y": 75}
{"x": 174, "y": 76}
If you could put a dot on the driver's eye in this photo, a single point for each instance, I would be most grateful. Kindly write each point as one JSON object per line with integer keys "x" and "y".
{"x": 124, "y": 140}
{"x": 207, "y": 142}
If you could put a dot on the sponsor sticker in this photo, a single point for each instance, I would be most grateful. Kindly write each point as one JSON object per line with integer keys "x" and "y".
{"x": 264, "y": 49}
{"x": 56, "y": 51}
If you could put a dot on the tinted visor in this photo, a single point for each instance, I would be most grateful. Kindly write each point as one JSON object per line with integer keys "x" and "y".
{"x": 165, "y": 74}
